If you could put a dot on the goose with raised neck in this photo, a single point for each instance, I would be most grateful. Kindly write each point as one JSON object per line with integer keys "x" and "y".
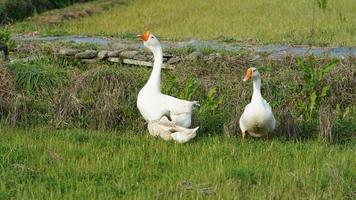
{"x": 152, "y": 104}
{"x": 257, "y": 119}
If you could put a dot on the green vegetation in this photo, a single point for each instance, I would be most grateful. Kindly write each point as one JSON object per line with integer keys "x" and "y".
{"x": 66, "y": 93}
{"x": 42, "y": 163}
{"x": 11, "y": 10}
{"x": 314, "y": 86}
{"x": 278, "y": 21}
{"x": 5, "y": 37}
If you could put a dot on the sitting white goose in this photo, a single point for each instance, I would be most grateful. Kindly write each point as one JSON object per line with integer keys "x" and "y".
{"x": 167, "y": 130}
{"x": 257, "y": 119}
{"x": 152, "y": 104}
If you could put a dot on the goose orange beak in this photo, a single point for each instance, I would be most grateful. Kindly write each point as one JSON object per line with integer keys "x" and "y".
{"x": 248, "y": 74}
{"x": 144, "y": 37}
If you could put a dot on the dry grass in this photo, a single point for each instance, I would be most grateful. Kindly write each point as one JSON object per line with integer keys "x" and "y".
{"x": 5, "y": 85}
{"x": 326, "y": 121}
{"x": 103, "y": 96}
{"x": 105, "y": 88}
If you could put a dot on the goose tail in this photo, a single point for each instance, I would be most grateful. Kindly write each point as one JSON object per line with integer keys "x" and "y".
{"x": 183, "y": 136}
{"x": 196, "y": 103}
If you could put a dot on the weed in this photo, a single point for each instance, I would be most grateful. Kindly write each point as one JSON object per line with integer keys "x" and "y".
{"x": 35, "y": 80}
{"x": 314, "y": 86}
{"x": 5, "y": 37}
{"x": 322, "y": 4}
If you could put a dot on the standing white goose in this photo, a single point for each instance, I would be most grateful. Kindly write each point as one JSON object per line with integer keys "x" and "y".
{"x": 152, "y": 104}
{"x": 257, "y": 119}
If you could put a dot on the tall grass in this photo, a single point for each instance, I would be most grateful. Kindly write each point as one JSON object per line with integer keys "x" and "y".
{"x": 54, "y": 90}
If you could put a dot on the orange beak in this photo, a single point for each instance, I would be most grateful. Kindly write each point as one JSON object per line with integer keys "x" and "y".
{"x": 248, "y": 74}
{"x": 144, "y": 37}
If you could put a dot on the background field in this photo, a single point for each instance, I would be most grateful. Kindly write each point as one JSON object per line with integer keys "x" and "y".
{"x": 276, "y": 21}
{"x": 42, "y": 163}
{"x": 71, "y": 130}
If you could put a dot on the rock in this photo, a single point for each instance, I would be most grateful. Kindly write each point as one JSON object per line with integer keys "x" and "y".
{"x": 22, "y": 60}
{"x": 103, "y": 55}
{"x": 173, "y": 61}
{"x": 141, "y": 57}
{"x": 113, "y": 53}
{"x": 137, "y": 62}
{"x": 278, "y": 55}
{"x": 114, "y": 59}
{"x": 68, "y": 52}
{"x": 88, "y": 54}
{"x": 168, "y": 56}
{"x": 145, "y": 63}
{"x": 194, "y": 56}
{"x": 213, "y": 57}
{"x": 89, "y": 61}
{"x": 128, "y": 54}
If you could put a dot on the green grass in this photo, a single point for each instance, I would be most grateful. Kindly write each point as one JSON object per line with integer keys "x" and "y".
{"x": 276, "y": 21}
{"x": 42, "y": 163}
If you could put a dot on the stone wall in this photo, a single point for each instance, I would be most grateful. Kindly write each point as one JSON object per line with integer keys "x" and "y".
{"x": 125, "y": 56}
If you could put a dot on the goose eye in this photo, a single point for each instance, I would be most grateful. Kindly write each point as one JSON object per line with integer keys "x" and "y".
{"x": 254, "y": 70}
{"x": 152, "y": 37}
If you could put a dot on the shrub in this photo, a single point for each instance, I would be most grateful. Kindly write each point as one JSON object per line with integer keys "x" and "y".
{"x": 15, "y": 10}
{"x": 11, "y": 10}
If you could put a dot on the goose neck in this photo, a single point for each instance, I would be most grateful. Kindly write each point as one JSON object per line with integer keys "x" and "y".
{"x": 256, "y": 89}
{"x": 155, "y": 77}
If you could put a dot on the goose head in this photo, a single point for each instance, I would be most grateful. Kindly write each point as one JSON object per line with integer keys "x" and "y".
{"x": 149, "y": 40}
{"x": 251, "y": 73}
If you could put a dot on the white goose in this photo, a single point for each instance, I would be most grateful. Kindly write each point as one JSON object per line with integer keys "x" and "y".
{"x": 257, "y": 119}
{"x": 152, "y": 104}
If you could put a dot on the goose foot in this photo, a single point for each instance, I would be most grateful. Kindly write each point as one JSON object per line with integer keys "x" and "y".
{"x": 243, "y": 135}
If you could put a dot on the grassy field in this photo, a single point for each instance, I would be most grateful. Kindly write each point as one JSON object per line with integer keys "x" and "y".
{"x": 276, "y": 21}
{"x": 70, "y": 130}
{"x": 42, "y": 163}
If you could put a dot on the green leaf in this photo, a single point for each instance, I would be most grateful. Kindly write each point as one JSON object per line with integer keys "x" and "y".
{"x": 327, "y": 68}
{"x": 346, "y": 112}
{"x": 325, "y": 91}
{"x": 211, "y": 93}
{"x": 313, "y": 97}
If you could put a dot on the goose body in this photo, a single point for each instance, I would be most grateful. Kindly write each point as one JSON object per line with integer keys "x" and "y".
{"x": 257, "y": 119}
{"x": 168, "y": 130}
{"x": 152, "y": 104}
